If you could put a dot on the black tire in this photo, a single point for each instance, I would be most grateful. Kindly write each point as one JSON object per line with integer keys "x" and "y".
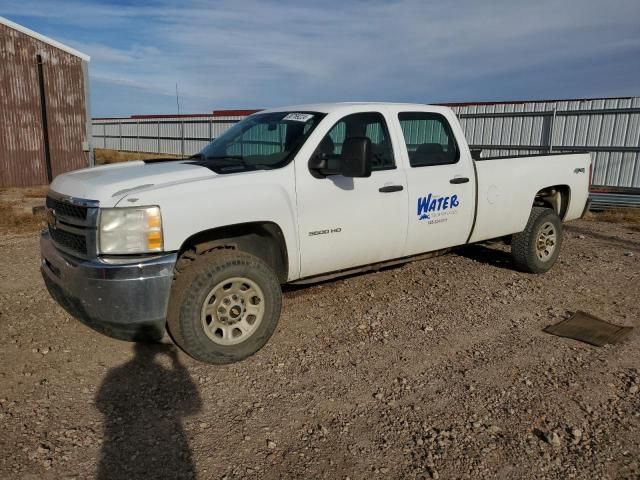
{"x": 195, "y": 284}
{"x": 527, "y": 255}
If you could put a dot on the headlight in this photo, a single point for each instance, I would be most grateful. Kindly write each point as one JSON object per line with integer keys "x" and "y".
{"x": 130, "y": 230}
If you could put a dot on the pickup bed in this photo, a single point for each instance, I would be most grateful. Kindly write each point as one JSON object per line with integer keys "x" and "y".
{"x": 200, "y": 246}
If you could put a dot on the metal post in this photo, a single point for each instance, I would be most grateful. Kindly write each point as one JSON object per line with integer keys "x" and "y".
{"x": 182, "y": 139}
{"x": 45, "y": 122}
{"x": 553, "y": 121}
{"x": 138, "y": 136}
{"x": 158, "y": 137}
{"x": 120, "y": 134}
{"x": 87, "y": 109}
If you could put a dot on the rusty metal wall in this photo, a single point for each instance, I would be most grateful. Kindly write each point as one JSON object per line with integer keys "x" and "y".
{"x": 22, "y": 155}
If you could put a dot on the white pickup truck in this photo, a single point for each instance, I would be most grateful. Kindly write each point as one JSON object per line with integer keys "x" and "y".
{"x": 200, "y": 246}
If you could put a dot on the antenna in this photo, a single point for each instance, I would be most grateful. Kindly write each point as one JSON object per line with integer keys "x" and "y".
{"x": 177, "y": 98}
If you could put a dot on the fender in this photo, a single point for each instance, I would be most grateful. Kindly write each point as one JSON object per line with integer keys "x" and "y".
{"x": 225, "y": 200}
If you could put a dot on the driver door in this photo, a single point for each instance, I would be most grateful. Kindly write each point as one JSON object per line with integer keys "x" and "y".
{"x": 349, "y": 222}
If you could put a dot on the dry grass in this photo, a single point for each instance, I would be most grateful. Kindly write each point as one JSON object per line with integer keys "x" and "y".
{"x": 35, "y": 192}
{"x": 19, "y": 193}
{"x": 628, "y": 216}
{"x": 16, "y": 206}
{"x": 105, "y": 156}
{"x": 14, "y": 218}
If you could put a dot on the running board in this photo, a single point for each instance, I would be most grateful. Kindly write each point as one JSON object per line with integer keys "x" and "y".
{"x": 368, "y": 268}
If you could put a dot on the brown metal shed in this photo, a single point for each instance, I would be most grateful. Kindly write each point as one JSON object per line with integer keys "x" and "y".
{"x": 45, "y": 120}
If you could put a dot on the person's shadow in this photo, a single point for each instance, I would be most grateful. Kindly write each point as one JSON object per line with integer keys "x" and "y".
{"x": 143, "y": 403}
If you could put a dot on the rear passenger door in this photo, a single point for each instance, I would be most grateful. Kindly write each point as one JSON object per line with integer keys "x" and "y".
{"x": 441, "y": 183}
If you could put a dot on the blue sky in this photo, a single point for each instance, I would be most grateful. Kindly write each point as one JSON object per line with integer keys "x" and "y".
{"x": 251, "y": 53}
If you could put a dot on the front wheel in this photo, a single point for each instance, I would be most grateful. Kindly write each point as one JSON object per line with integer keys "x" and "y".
{"x": 224, "y": 307}
{"x": 537, "y": 247}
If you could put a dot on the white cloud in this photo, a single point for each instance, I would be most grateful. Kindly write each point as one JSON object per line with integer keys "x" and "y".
{"x": 250, "y": 52}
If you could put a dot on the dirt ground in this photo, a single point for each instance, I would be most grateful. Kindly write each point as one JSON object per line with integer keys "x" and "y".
{"x": 436, "y": 369}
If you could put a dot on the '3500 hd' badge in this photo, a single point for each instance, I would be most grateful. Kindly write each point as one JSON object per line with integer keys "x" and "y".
{"x": 324, "y": 232}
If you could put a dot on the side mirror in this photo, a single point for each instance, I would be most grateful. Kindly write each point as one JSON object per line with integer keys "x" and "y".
{"x": 319, "y": 166}
{"x": 356, "y": 157}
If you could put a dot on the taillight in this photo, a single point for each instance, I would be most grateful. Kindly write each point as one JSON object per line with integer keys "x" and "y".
{"x": 590, "y": 173}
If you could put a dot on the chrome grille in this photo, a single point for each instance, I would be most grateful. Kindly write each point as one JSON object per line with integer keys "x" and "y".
{"x": 67, "y": 209}
{"x": 73, "y": 224}
{"x": 68, "y": 240}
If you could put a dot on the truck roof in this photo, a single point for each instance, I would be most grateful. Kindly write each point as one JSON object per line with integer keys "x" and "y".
{"x": 337, "y": 106}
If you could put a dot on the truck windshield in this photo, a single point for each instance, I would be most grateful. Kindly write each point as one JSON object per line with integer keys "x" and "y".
{"x": 261, "y": 141}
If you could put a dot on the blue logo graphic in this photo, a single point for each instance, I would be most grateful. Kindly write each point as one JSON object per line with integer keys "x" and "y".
{"x": 429, "y": 204}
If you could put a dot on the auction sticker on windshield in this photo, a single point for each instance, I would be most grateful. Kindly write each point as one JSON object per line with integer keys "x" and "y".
{"x": 299, "y": 117}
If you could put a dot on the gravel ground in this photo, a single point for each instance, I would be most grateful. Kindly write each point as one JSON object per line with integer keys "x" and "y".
{"x": 436, "y": 369}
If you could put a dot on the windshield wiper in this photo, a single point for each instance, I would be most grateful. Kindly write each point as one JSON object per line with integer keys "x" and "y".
{"x": 167, "y": 159}
{"x": 234, "y": 160}
{"x": 231, "y": 159}
{"x": 228, "y": 161}
{"x": 225, "y": 157}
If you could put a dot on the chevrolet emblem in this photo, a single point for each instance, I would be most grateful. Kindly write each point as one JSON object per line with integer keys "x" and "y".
{"x": 52, "y": 219}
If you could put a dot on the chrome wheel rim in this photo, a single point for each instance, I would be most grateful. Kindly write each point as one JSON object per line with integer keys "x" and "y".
{"x": 547, "y": 240}
{"x": 233, "y": 311}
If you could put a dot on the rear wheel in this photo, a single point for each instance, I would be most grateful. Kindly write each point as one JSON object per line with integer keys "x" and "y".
{"x": 536, "y": 248}
{"x": 224, "y": 307}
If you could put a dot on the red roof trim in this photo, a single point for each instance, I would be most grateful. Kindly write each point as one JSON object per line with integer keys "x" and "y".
{"x": 233, "y": 113}
{"x": 182, "y": 115}
{"x": 215, "y": 113}
{"x": 511, "y": 102}
{"x": 243, "y": 113}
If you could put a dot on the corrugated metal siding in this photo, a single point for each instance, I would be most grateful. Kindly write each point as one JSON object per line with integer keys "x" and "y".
{"x": 603, "y": 201}
{"x": 22, "y": 158}
{"x": 172, "y": 135}
{"x": 609, "y": 128}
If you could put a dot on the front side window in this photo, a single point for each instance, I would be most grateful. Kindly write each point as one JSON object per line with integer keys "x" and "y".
{"x": 370, "y": 125}
{"x": 263, "y": 140}
{"x": 429, "y": 139}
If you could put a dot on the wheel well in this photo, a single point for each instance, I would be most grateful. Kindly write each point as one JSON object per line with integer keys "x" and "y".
{"x": 265, "y": 240}
{"x": 556, "y": 198}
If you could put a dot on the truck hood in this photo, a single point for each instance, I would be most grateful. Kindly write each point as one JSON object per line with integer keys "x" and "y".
{"x": 109, "y": 183}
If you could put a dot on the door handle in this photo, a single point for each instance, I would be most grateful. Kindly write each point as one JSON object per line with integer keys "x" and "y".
{"x": 457, "y": 180}
{"x": 391, "y": 188}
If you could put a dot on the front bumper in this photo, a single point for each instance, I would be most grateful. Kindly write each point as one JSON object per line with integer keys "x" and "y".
{"x": 121, "y": 298}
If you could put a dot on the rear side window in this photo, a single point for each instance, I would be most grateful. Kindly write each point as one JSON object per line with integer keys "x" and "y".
{"x": 429, "y": 139}
{"x": 370, "y": 125}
